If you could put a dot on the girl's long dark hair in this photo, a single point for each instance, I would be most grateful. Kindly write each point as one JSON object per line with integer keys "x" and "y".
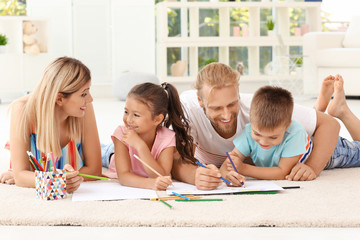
{"x": 164, "y": 99}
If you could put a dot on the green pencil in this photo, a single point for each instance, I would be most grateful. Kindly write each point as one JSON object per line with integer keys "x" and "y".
{"x": 199, "y": 200}
{"x": 166, "y": 203}
{"x": 92, "y": 176}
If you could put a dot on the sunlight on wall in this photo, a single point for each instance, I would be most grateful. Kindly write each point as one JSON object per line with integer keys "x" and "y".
{"x": 341, "y": 10}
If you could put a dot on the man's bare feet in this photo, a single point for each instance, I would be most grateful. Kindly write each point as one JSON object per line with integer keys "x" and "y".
{"x": 338, "y": 106}
{"x": 326, "y": 91}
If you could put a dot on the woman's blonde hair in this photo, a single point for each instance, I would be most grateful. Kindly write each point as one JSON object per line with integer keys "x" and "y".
{"x": 64, "y": 75}
{"x": 216, "y": 75}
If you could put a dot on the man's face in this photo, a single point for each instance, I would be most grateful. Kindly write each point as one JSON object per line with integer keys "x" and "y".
{"x": 221, "y": 106}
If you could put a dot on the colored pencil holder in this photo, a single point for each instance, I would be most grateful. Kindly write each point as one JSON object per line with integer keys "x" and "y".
{"x": 50, "y": 185}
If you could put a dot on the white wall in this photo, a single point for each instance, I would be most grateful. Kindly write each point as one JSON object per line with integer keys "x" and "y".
{"x": 109, "y": 36}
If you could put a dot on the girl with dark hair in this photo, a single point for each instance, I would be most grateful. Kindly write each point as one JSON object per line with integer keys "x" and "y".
{"x": 150, "y": 110}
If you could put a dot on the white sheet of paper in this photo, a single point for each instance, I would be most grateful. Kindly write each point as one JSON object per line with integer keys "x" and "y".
{"x": 250, "y": 186}
{"x": 110, "y": 190}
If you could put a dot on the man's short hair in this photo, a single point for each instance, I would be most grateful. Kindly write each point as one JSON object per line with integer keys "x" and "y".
{"x": 216, "y": 75}
{"x": 271, "y": 107}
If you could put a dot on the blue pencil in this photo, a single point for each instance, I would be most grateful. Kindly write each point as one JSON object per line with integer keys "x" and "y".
{"x": 232, "y": 163}
{"x": 179, "y": 195}
{"x": 202, "y": 165}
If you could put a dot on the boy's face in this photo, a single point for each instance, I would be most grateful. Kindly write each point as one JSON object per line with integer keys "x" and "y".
{"x": 267, "y": 138}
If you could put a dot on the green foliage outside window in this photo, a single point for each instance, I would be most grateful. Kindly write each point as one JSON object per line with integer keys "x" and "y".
{"x": 12, "y": 7}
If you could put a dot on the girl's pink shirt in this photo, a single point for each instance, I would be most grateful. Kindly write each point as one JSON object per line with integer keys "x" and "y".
{"x": 164, "y": 138}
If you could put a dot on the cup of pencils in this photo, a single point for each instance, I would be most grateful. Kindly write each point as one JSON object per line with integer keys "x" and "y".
{"x": 50, "y": 183}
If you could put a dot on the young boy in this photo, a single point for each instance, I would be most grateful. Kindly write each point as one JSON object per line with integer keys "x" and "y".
{"x": 272, "y": 139}
{"x": 261, "y": 136}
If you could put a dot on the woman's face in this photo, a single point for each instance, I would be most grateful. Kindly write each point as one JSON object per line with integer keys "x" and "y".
{"x": 75, "y": 104}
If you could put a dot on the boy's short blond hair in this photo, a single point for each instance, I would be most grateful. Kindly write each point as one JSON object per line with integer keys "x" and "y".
{"x": 271, "y": 107}
{"x": 216, "y": 75}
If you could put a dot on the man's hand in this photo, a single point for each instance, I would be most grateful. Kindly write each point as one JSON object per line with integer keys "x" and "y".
{"x": 301, "y": 172}
{"x": 207, "y": 178}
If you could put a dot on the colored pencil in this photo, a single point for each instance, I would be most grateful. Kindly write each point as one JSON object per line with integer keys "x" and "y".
{"x": 199, "y": 200}
{"x": 53, "y": 161}
{"x": 148, "y": 166}
{"x": 179, "y": 195}
{"x": 92, "y": 176}
{"x": 166, "y": 203}
{"x": 202, "y": 165}
{"x": 291, "y": 187}
{"x": 173, "y": 198}
{"x": 37, "y": 164}
{"x": 232, "y": 163}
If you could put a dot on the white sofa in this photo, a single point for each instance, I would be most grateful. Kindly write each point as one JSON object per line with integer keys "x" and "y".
{"x": 333, "y": 53}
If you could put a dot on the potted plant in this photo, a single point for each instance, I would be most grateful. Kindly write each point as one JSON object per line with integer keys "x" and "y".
{"x": 270, "y": 25}
{"x": 3, "y": 42}
{"x": 298, "y": 61}
{"x": 298, "y": 65}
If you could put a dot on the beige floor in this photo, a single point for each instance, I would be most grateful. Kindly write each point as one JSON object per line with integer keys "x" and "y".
{"x": 108, "y": 114}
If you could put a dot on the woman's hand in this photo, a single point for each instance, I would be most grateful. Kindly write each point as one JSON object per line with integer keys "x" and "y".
{"x": 7, "y": 177}
{"x": 72, "y": 179}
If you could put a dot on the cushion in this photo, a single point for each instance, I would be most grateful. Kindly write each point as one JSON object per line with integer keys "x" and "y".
{"x": 352, "y": 35}
{"x": 338, "y": 57}
{"x": 123, "y": 84}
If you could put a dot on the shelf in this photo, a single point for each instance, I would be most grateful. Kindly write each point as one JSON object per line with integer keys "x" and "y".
{"x": 20, "y": 72}
{"x": 216, "y": 5}
{"x": 227, "y": 41}
{"x": 250, "y": 44}
{"x": 243, "y": 79}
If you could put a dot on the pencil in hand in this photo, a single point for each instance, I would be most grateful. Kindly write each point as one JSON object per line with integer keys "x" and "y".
{"x": 202, "y": 165}
{"x": 233, "y": 165}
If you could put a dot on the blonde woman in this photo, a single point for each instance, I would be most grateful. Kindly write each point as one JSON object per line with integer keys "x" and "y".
{"x": 57, "y": 117}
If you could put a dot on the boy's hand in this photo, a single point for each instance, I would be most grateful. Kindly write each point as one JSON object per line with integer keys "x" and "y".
{"x": 161, "y": 183}
{"x": 235, "y": 178}
{"x": 237, "y": 162}
{"x": 301, "y": 172}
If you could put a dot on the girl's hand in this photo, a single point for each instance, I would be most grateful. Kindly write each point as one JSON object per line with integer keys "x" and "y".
{"x": 72, "y": 179}
{"x": 235, "y": 178}
{"x": 7, "y": 177}
{"x": 161, "y": 183}
{"x": 132, "y": 138}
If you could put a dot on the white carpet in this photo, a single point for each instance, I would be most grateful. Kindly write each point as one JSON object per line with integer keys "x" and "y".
{"x": 332, "y": 200}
